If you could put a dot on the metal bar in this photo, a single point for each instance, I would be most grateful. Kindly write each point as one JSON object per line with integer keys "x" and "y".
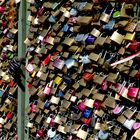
{"x": 23, "y": 99}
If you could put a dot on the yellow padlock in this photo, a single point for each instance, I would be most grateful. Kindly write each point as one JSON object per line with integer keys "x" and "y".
{"x": 58, "y": 80}
{"x": 129, "y": 36}
{"x": 33, "y": 74}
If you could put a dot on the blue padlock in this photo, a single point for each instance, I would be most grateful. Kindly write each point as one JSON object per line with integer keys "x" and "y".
{"x": 46, "y": 104}
{"x": 87, "y": 113}
{"x": 52, "y": 19}
{"x": 60, "y": 94}
{"x": 90, "y": 39}
{"x": 67, "y": 80}
{"x": 109, "y": 25}
{"x": 65, "y": 28}
{"x": 73, "y": 12}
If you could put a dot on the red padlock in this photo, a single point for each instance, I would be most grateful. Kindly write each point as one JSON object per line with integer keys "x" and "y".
{"x": 137, "y": 76}
{"x": 9, "y": 115}
{"x": 52, "y": 122}
{"x": 40, "y": 11}
{"x": 86, "y": 121}
{"x": 133, "y": 92}
{"x": 97, "y": 104}
{"x": 46, "y": 60}
{"x": 40, "y": 133}
{"x": 134, "y": 46}
{"x": 87, "y": 76}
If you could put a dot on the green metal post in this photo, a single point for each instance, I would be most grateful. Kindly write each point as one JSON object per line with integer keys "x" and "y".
{"x": 23, "y": 97}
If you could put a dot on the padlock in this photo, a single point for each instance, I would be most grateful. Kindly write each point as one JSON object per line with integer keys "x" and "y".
{"x": 100, "y": 40}
{"x": 81, "y": 106}
{"x": 84, "y": 20}
{"x": 117, "y": 37}
{"x": 137, "y": 134}
{"x": 129, "y": 36}
{"x": 103, "y": 135}
{"x": 130, "y": 112}
{"x": 94, "y": 57}
{"x": 61, "y": 129}
{"x": 68, "y": 126}
{"x": 118, "y": 109}
{"x": 51, "y": 133}
{"x": 54, "y": 100}
{"x": 136, "y": 125}
{"x": 131, "y": 26}
{"x": 106, "y": 17}
{"x": 8, "y": 125}
{"x": 110, "y": 102}
{"x": 121, "y": 119}
{"x": 129, "y": 123}
{"x": 95, "y": 32}
{"x": 40, "y": 133}
{"x": 87, "y": 113}
{"x": 133, "y": 92}
{"x": 82, "y": 134}
{"x": 89, "y": 102}
{"x": 99, "y": 78}
{"x": 110, "y": 25}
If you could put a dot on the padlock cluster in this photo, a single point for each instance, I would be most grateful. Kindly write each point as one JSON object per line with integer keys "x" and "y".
{"x": 8, "y": 52}
{"x": 83, "y": 61}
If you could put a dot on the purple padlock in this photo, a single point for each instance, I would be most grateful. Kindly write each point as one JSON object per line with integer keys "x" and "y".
{"x": 90, "y": 39}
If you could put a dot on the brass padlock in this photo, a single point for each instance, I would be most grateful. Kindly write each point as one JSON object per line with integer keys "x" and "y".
{"x": 137, "y": 134}
{"x": 82, "y": 134}
{"x": 130, "y": 112}
{"x": 65, "y": 104}
{"x": 112, "y": 77}
{"x": 98, "y": 79}
{"x": 131, "y": 26}
{"x": 117, "y": 37}
{"x": 121, "y": 119}
{"x": 94, "y": 57}
{"x": 99, "y": 113}
{"x": 84, "y": 20}
{"x": 89, "y": 102}
{"x": 68, "y": 41}
{"x": 98, "y": 96}
{"x": 61, "y": 129}
{"x": 54, "y": 100}
{"x": 110, "y": 102}
{"x": 95, "y": 32}
{"x": 86, "y": 92}
{"x": 67, "y": 96}
{"x": 88, "y": 7}
{"x": 100, "y": 40}
{"x": 117, "y": 131}
{"x": 106, "y": 17}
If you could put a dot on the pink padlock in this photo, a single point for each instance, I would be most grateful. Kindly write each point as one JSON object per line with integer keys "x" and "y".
{"x": 133, "y": 92}
{"x": 47, "y": 89}
{"x": 136, "y": 125}
{"x": 33, "y": 108}
{"x": 2, "y": 9}
{"x": 118, "y": 109}
{"x": 105, "y": 85}
{"x": 81, "y": 106}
